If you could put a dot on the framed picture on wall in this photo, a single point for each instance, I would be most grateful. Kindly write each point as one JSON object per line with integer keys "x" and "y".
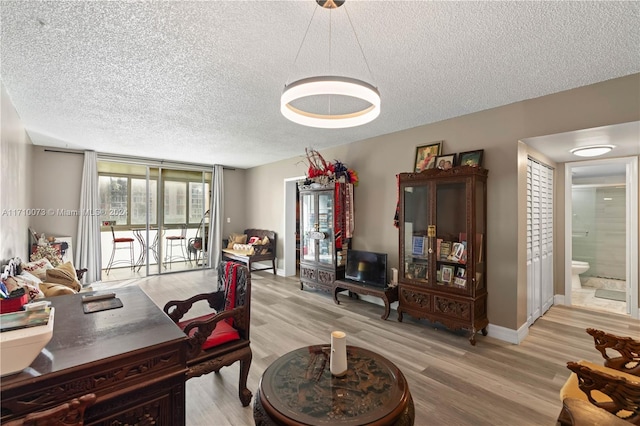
{"x": 426, "y": 156}
{"x": 471, "y": 158}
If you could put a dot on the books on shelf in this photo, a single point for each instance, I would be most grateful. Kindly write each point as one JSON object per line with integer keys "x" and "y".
{"x": 445, "y": 250}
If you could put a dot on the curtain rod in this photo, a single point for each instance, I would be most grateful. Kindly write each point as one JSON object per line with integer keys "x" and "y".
{"x": 139, "y": 160}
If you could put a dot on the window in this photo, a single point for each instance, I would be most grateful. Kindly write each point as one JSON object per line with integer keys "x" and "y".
{"x": 175, "y": 202}
{"x": 113, "y": 192}
{"x": 182, "y": 195}
{"x": 197, "y": 204}
{"x": 139, "y": 199}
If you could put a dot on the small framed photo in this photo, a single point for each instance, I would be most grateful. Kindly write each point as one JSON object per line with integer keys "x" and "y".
{"x": 420, "y": 270}
{"x": 446, "y": 273}
{"x": 471, "y": 158}
{"x": 410, "y": 270}
{"x": 445, "y": 162}
{"x": 461, "y": 272}
{"x": 426, "y": 156}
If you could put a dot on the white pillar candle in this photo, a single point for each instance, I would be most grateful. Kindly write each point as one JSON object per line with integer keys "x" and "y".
{"x": 394, "y": 275}
{"x": 338, "y": 360}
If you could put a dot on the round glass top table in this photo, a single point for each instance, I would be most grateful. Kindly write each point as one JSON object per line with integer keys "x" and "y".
{"x": 299, "y": 389}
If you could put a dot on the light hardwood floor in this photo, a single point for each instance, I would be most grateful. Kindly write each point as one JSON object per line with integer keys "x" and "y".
{"x": 452, "y": 382}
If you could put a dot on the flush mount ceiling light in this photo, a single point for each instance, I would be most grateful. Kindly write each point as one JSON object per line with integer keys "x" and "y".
{"x": 327, "y": 86}
{"x": 592, "y": 150}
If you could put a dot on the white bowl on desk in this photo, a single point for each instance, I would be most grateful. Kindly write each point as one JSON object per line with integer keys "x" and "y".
{"x": 18, "y": 348}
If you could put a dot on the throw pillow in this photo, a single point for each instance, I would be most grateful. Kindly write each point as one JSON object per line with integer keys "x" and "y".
{"x": 254, "y": 240}
{"x": 246, "y": 248}
{"x": 52, "y": 289}
{"x": 265, "y": 240}
{"x": 31, "y": 288}
{"x": 38, "y": 267}
{"x": 64, "y": 274}
{"x": 237, "y": 239}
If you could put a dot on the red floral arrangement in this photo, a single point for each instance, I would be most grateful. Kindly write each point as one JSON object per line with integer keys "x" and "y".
{"x": 321, "y": 171}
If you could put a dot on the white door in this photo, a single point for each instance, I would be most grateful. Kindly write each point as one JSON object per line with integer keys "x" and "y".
{"x": 539, "y": 239}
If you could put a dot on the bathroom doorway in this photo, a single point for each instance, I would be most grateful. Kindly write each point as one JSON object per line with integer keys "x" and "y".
{"x": 601, "y": 235}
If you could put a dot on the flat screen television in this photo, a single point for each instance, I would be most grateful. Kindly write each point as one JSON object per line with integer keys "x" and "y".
{"x": 367, "y": 267}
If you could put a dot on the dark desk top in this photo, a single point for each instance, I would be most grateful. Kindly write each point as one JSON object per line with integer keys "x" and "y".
{"x": 300, "y": 386}
{"x": 80, "y": 338}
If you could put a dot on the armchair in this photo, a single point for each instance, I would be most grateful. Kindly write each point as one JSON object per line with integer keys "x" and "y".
{"x": 628, "y": 348}
{"x": 605, "y": 388}
{"x": 613, "y": 388}
{"x": 221, "y": 337}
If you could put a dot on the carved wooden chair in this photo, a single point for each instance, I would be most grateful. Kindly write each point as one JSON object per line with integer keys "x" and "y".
{"x": 612, "y": 390}
{"x": 221, "y": 337}
{"x": 627, "y": 348}
{"x": 68, "y": 414}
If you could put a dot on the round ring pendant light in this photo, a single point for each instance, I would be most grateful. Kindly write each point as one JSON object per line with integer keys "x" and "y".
{"x": 327, "y": 86}
{"x": 330, "y": 85}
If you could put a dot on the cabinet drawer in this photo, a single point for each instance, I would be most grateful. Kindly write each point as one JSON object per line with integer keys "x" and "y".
{"x": 326, "y": 276}
{"x": 452, "y": 308}
{"x": 414, "y": 299}
{"x": 307, "y": 273}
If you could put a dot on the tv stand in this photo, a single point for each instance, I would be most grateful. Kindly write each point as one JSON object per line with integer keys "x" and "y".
{"x": 388, "y": 294}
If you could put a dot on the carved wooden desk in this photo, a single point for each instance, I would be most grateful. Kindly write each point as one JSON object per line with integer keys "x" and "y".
{"x": 298, "y": 389}
{"x": 131, "y": 358}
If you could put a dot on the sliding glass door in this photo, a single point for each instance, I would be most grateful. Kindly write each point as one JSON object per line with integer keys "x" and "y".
{"x": 153, "y": 219}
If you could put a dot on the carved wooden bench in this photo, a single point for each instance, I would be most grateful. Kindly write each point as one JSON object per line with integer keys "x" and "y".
{"x": 261, "y": 252}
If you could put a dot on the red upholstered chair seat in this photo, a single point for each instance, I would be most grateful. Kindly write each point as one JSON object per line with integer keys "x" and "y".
{"x": 223, "y": 332}
{"x": 123, "y": 240}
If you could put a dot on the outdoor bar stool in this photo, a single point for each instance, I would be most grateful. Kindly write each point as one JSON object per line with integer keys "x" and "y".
{"x": 174, "y": 240}
{"x": 124, "y": 243}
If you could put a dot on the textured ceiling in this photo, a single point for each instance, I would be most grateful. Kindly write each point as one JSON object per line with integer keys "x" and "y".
{"x": 201, "y": 81}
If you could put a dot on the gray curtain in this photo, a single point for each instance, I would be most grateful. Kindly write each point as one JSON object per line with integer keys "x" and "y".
{"x": 88, "y": 246}
{"x": 216, "y": 211}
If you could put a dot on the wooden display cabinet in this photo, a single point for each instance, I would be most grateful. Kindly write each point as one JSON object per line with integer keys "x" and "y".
{"x": 322, "y": 248}
{"x": 443, "y": 256}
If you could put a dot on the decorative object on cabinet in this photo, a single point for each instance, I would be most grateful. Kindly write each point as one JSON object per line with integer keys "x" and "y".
{"x": 471, "y": 158}
{"x": 326, "y": 226}
{"x": 426, "y": 156}
{"x": 445, "y": 162}
{"x": 442, "y": 207}
{"x": 221, "y": 337}
{"x": 321, "y": 172}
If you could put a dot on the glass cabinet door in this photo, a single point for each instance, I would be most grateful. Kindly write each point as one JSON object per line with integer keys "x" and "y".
{"x": 415, "y": 226}
{"x": 451, "y": 235}
{"x": 325, "y": 226}
{"x": 307, "y": 226}
{"x": 479, "y": 244}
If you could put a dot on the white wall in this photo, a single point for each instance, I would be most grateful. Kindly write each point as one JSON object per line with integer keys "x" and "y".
{"x": 15, "y": 182}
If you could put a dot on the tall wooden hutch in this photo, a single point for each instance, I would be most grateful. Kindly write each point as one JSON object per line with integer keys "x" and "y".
{"x": 443, "y": 256}
{"x": 324, "y": 237}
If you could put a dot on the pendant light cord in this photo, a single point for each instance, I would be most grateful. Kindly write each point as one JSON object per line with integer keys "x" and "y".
{"x": 359, "y": 45}
{"x": 301, "y": 44}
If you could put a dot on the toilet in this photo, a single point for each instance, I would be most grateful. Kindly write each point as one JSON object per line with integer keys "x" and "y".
{"x": 577, "y": 268}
